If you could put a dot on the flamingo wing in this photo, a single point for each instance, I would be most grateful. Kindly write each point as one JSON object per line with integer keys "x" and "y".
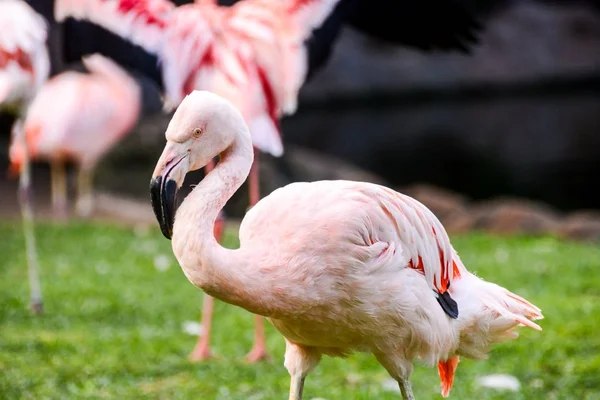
{"x": 278, "y": 31}
{"x": 77, "y": 127}
{"x": 141, "y": 21}
{"x": 189, "y": 55}
{"x": 351, "y": 224}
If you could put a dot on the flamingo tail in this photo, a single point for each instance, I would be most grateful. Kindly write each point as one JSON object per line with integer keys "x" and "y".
{"x": 488, "y": 314}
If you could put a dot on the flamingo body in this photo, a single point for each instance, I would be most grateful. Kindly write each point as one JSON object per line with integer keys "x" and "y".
{"x": 81, "y": 116}
{"x": 78, "y": 117}
{"x": 369, "y": 256}
{"x": 337, "y": 266}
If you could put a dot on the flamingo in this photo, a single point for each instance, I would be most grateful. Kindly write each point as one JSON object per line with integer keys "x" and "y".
{"x": 24, "y": 66}
{"x": 336, "y": 266}
{"x": 254, "y": 53}
{"x": 77, "y": 116}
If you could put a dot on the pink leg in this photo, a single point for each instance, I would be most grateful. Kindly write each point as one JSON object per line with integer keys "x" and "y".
{"x": 58, "y": 188}
{"x": 259, "y": 350}
{"x": 33, "y": 267}
{"x": 202, "y": 350}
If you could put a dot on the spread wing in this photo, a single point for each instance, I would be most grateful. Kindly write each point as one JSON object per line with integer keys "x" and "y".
{"x": 278, "y": 30}
{"x": 188, "y": 52}
{"x": 335, "y": 219}
{"x": 306, "y": 17}
{"x": 142, "y": 21}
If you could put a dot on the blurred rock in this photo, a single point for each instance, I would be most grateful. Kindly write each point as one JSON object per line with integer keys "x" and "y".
{"x": 192, "y": 328}
{"x": 449, "y": 207}
{"x": 583, "y": 225}
{"x": 514, "y": 216}
{"x": 499, "y": 382}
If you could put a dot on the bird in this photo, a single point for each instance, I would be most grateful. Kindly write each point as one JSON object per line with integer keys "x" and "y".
{"x": 336, "y": 266}
{"x": 256, "y": 53}
{"x": 251, "y": 52}
{"x": 24, "y": 67}
{"x": 78, "y": 117}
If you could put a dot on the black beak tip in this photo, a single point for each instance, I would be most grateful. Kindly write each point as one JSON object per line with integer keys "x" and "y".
{"x": 168, "y": 233}
{"x": 155, "y": 186}
{"x": 163, "y": 203}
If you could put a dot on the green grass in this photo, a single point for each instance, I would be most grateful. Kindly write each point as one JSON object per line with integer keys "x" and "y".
{"x": 113, "y": 326}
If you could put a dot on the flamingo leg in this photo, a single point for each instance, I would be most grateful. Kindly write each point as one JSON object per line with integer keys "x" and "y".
{"x": 259, "y": 349}
{"x": 58, "y": 181}
{"x": 36, "y": 301}
{"x": 84, "y": 204}
{"x": 299, "y": 361}
{"x": 202, "y": 349}
{"x": 406, "y": 389}
{"x": 399, "y": 370}
{"x": 296, "y": 387}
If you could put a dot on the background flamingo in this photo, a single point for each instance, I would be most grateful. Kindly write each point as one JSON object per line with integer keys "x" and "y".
{"x": 24, "y": 66}
{"x": 337, "y": 266}
{"x": 96, "y": 110}
{"x": 254, "y": 53}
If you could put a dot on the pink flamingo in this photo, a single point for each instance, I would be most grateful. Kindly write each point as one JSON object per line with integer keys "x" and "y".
{"x": 336, "y": 266}
{"x": 79, "y": 117}
{"x": 253, "y": 53}
{"x": 24, "y": 66}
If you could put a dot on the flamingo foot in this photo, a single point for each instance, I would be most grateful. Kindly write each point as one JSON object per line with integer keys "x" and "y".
{"x": 85, "y": 207}
{"x": 258, "y": 353}
{"x": 200, "y": 353}
{"x": 36, "y": 307}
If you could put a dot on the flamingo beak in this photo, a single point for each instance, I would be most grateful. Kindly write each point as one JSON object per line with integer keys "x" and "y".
{"x": 165, "y": 183}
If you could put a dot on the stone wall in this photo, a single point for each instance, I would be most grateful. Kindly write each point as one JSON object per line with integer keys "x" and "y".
{"x": 506, "y": 216}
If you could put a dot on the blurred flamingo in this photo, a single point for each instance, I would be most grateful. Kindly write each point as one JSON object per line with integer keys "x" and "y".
{"x": 336, "y": 266}
{"x": 254, "y": 53}
{"x": 78, "y": 117}
{"x": 24, "y": 66}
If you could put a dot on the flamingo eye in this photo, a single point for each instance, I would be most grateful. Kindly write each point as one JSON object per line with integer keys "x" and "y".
{"x": 197, "y": 132}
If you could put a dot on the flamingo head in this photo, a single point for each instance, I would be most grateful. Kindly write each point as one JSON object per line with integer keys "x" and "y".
{"x": 204, "y": 126}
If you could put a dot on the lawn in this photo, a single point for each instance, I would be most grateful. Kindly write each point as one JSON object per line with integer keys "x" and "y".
{"x": 116, "y": 303}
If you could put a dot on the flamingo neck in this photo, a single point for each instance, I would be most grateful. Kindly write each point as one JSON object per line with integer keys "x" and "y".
{"x": 129, "y": 97}
{"x": 222, "y": 273}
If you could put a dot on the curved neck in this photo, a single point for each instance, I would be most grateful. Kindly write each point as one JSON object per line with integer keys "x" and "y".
{"x": 220, "y": 272}
{"x": 128, "y": 95}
